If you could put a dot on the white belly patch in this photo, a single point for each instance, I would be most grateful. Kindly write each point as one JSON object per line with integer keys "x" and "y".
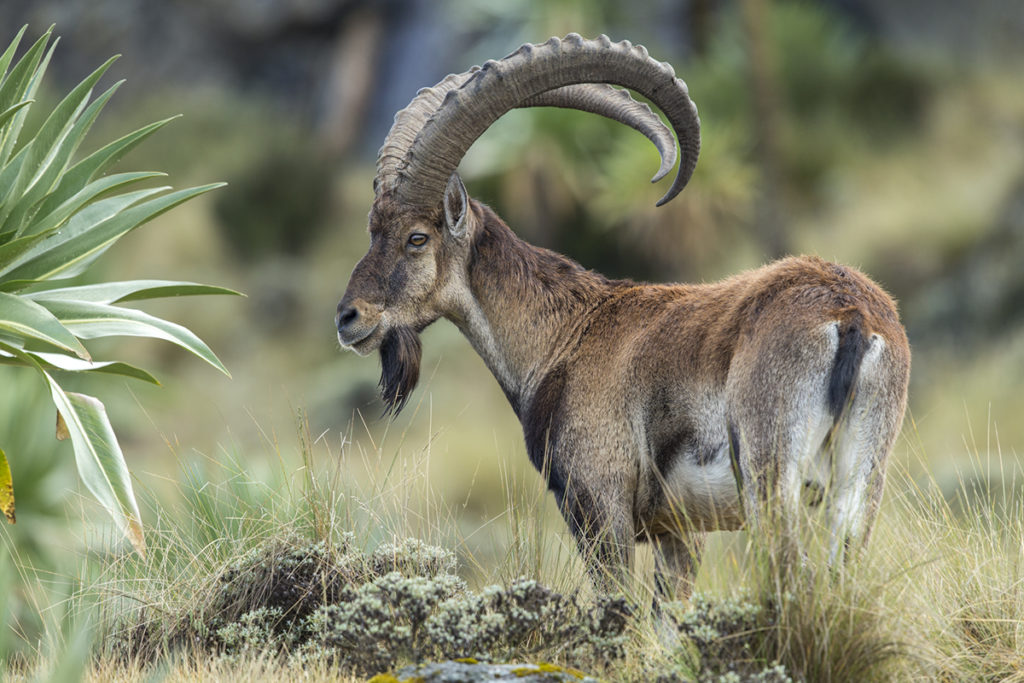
{"x": 702, "y": 496}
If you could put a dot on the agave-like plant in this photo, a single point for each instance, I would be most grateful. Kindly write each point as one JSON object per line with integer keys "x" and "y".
{"x": 57, "y": 215}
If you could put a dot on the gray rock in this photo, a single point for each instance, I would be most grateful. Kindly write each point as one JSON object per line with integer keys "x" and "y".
{"x": 468, "y": 671}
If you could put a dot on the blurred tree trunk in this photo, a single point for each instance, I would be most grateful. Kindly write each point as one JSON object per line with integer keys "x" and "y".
{"x": 701, "y": 14}
{"x": 353, "y": 71}
{"x": 767, "y": 114}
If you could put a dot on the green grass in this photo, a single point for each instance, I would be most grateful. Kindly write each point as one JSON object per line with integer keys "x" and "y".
{"x": 939, "y": 595}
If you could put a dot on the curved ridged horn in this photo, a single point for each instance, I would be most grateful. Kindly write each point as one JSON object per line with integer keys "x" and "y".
{"x": 407, "y": 125}
{"x": 616, "y": 104}
{"x": 596, "y": 98}
{"x": 474, "y": 100}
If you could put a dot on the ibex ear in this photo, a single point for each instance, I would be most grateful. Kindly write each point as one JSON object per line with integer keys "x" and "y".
{"x": 456, "y": 206}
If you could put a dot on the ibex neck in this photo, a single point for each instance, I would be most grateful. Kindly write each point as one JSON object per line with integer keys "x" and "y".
{"x": 527, "y": 305}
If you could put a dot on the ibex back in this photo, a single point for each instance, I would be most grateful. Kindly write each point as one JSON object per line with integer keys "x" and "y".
{"x": 655, "y": 412}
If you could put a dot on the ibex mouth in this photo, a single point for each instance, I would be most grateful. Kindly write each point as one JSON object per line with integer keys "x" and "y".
{"x": 362, "y": 342}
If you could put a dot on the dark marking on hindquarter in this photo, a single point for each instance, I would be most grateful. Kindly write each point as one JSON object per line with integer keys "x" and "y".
{"x": 853, "y": 344}
{"x": 667, "y": 449}
{"x": 709, "y": 453}
{"x": 586, "y": 518}
{"x": 734, "y": 458}
{"x": 683, "y": 443}
{"x": 664, "y": 447}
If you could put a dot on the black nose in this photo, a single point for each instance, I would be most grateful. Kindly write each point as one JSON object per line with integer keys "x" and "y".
{"x": 346, "y": 316}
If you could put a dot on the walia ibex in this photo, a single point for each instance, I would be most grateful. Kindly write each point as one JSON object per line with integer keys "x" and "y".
{"x": 655, "y": 412}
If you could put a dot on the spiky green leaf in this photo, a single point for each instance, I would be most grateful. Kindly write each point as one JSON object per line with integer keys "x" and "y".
{"x": 52, "y": 158}
{"x": 83, "y": 238}
{"x": 55, "y": 219}
{"x": 11, "y": 111}
{"x": 45, "y": 159}
{"x": 90, "y": 321}
{"x": 11, "y": 251}
{"x": 58, "y": 361}
{"x": 132, "y": 290}
{"x": 52, "y": 214}
{"x": 92, "y": 229}
{"x": 81, "y": 222}
{"x": 9, "y": 176}
{"x": 27, "y": 320}
{"x": 100, "y": 461}
{"x": 8, "y": 55}
{"x": 79, "y": 175}
{"x": 21, "y": 84}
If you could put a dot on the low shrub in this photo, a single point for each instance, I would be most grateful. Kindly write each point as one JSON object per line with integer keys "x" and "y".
{"x": 312, "y": 604}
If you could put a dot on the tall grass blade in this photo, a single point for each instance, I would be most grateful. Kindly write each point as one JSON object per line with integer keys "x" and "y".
{"x": 71, "y": 661}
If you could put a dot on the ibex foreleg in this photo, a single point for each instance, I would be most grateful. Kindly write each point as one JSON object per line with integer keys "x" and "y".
{"x": 604, "y": 534}
{"x": 594, "y": 502}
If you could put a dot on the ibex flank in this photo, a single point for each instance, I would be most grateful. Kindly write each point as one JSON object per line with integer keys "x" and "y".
{"x": 654, "y": 412}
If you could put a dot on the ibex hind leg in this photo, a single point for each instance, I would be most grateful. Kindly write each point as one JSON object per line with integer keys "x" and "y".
{"x": 775, "y": 465}
{"x": 676, "y": 561}
{"x": 860, "y": 446}
{"x": 778, "y": 418}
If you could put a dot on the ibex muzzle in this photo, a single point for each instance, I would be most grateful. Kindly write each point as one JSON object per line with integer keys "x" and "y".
{"x": 654, "y": 412}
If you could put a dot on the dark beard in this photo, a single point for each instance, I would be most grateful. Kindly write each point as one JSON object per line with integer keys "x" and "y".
{"x": 400, "y": 354}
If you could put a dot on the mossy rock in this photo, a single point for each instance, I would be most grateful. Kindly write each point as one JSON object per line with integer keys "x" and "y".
{"x": 471, "y": 671}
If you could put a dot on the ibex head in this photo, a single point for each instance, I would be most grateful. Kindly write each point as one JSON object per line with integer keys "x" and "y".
{"x": 406, "y": 281}
{"x": 422, "y": 224}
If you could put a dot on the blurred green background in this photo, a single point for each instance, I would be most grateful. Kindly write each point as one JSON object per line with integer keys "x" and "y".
{"x": 889, "y": 136}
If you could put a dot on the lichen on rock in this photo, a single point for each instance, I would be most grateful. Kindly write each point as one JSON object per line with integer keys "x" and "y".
{"x": 462, "y": 672}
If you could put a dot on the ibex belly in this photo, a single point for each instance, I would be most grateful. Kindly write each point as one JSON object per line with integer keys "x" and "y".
{"x": 700, "y": 496}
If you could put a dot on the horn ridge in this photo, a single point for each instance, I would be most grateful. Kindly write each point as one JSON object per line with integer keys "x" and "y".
{"x": 482, "y": 96}
{"x": 596, "y": 98}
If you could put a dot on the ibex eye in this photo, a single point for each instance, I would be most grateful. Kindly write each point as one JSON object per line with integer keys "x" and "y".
{"x": 417, "y": 239}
